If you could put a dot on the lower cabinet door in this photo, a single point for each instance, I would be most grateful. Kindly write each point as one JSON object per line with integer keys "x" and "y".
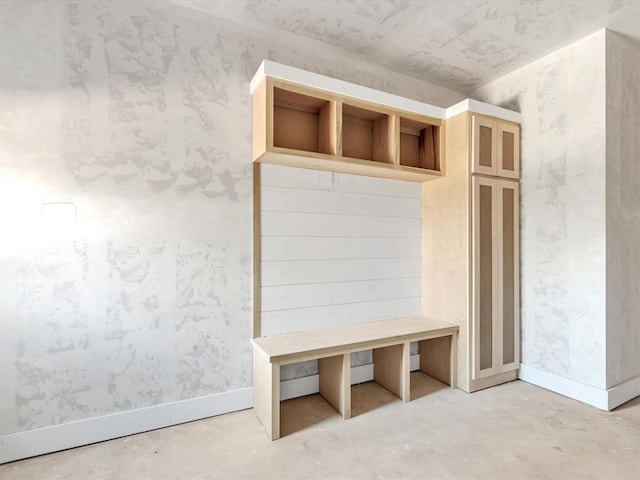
{"x": 495, "y": 273}
{"x": 509, "y": 274}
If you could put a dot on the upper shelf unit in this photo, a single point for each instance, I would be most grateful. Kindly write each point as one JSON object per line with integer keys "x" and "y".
{"x": 304, "y": 127}
{"x": 307, "y": 120}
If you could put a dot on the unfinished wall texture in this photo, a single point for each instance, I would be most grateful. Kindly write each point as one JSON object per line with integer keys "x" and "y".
{"x": 125, "y": 180}
{"x": 562, "y": 101}
{"x": 623, "y": 209}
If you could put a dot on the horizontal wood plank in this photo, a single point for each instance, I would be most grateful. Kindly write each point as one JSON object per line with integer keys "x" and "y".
{"x": 353, "y": 166}
{"x": 288, "y": 199}
{"x": 324, "y": 342}
{"x": 314, "y": 318}
{"x": 283, "y": 297}
{"x": 325, "y": 225}
{"x": 283, "y": 176}
{"x": 275, "y": 249}
{"x": 315, "y": 271}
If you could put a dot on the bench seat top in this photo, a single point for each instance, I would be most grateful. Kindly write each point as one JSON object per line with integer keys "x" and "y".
{"x": 298, "y": 346}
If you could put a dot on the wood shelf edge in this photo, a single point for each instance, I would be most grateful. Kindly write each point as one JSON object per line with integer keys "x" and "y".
{"x": 354, "y": 166}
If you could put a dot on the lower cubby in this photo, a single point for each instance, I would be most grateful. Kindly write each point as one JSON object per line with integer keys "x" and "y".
{"x": 393, "y": 381}
{"x": 304, "y": 412}
{"x": 389, "y": 342}
{"x": 423, "y": 385}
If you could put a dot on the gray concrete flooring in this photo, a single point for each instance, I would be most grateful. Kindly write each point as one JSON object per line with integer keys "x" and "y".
{"x": 514, "y": 431}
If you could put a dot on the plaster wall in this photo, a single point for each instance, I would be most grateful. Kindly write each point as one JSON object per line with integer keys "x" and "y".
{"x": 623, "y": 208}
{"x": 563, "y": 228}
{"x": 125, "y": 188}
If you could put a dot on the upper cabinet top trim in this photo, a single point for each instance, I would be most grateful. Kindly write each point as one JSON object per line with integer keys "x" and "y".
{"x": 475, "y": 106}
{"x": 333, "y": 85}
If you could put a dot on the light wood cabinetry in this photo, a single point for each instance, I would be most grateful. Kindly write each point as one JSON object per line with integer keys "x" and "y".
{"x": 495, "y": 317}
{"x": 304, "y": 127}
{"x": 470, "y": 224}
{"x": 496, "y": 147}
{"x": 471, "y": 247}
{"x": 390, "y": 341}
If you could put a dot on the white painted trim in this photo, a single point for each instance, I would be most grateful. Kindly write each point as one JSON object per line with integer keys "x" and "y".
{"x": 361, "y": 374}
{"x": 16, "y": 446}
{"x": 299, "y": 387}
{"x": 565, "y": 386}
{"x": 475, "y": 106}
{"x": 302, "y": 77}
{"x": 333, "y": 85}
{"x": 623, "y": 392}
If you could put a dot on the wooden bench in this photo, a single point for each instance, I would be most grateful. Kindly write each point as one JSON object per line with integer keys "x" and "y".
{"x": 390, "y": 341}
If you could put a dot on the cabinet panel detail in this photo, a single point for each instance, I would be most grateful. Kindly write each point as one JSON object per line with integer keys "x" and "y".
{"x": 509, "y": 150}
{"x": 508, "y": 156}
{"x": 484, "y": 149}
{"x": 485, "y": 146}
{"x": 509, "y": 272}
{"x": 485, "y": 277}
{"x": 485, "y": 266}
{"x": 495, "y": 276}
{"x": 495, "y": 147}
{"x": 508, "y": 296}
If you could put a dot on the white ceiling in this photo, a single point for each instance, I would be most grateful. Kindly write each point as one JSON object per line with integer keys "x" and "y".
{"x": 455, "y": 43}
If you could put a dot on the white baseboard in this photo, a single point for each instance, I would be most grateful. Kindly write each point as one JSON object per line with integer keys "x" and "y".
{"x": 299, "y": 387}
{"x": 623, "y": 392}
{"x": 16, "y": 446}
{"x": 565, "y": 386}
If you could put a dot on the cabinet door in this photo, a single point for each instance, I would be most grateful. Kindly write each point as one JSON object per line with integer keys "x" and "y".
{"x": 484, "y": 145}
{"x": 508, "y": 150}
{"x": 509, "y": 274}
{"x": 495, "y": 284}
{"x": 485, "y": 282}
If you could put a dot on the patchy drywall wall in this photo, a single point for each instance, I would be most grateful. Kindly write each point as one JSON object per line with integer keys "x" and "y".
{"x": 562, "y": 101}
{"x": 126, "y": 202}
{"x": 623, "y": 209}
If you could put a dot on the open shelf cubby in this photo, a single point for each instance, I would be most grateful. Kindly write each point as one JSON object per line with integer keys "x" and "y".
{"x": 367, "y": 134}
{"x": 302, "y": 122}
{"x": 419, "y": 144}
{"x": 302, "y": 126}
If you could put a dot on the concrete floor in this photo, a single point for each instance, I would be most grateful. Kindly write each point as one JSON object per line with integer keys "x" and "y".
{"x": 514, "y": 431}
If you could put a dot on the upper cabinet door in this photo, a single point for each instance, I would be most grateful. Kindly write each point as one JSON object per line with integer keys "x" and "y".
{"x": 485, "y": 140}
{"x": 496, "y": 147}
{"x": 508, "y": 150}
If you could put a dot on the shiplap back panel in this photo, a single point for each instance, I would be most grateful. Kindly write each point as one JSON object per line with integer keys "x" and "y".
{"x": 336, "y": 249}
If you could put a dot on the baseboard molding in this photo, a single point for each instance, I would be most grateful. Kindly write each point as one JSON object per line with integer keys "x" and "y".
{"x": 565, "y": 386}
{"x": 623, "y": 392}
{"x": 16, "y": 446}
{"x": 299, "y": 387}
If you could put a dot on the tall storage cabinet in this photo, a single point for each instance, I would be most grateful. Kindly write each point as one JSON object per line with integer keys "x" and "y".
{"x": 471, "y": 247}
